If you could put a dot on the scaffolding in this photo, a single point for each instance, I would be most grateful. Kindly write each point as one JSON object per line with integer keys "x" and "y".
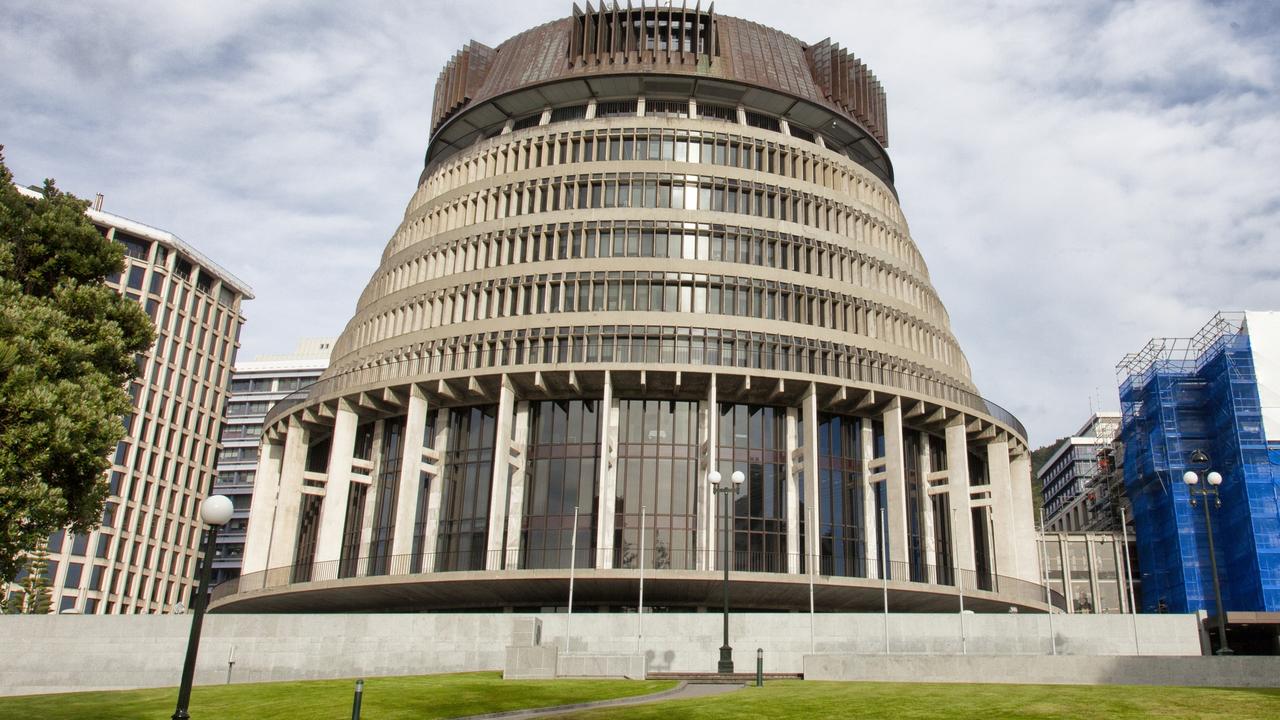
{"x": 1178, "y": 395}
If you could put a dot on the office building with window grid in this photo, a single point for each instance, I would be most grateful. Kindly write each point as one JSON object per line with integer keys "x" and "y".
{"x": 142, "y": 558}
{"x": 647, "y": 243}
{"x": 256, "y": 385}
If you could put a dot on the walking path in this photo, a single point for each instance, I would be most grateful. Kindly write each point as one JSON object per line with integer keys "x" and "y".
{"x": 683, "y": 691}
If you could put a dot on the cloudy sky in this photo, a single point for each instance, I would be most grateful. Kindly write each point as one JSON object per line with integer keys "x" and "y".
{"x": 1081, "y": 176}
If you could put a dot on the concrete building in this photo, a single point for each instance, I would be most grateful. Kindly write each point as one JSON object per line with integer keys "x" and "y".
{"x": 142, "y": 558}
{"x": 1068, "y": 475}
{"x": 255, "y": 386}
{"x": 647, "y": 244}
{"x": 1217, "y": 392}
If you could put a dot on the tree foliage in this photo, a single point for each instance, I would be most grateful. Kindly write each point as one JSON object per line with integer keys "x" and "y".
{"x": 67, "y": 348}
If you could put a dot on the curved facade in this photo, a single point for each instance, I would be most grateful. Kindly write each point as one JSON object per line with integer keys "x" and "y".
{"x": 647, "y": 243}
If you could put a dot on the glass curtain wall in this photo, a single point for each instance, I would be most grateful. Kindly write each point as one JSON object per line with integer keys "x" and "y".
{"x": 753, "y": 440}
{"x": 308, "y": 527}
{"x": 468, "y": 481}
{"x": 424, "y": 497}
{"x": 563, "y": 469}
{"x": 916, "y": 498}
{"x": 384, "y": 514}
{"x": 349, "y": 560}
{"x": 842, "y": 539}
{"x": 657, "y": 470}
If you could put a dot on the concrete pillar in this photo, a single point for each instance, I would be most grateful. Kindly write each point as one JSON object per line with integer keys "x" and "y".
{"x": 284, "y": 528}
{"x": 333, "y": 513}
{"x": 1024, "y": 522}
{"x": 519, "y": 457}
{"x": 958, "y": 493}
{"x": 1003, "y": 541}
{"x": 266, "y": 493}
{"x": 607, "y": 476}
{"x": 431, "y": 526}
{"x": 410, "y": 474}
{"x": 870, "y": 518}
{"x": 708, "y": 436}
{"x": 501, "y": 466}
{"x": 810, "y": 442}
{"x": 896, "y": 489}
{"x": 927, "y": 540}
{"x": 794, "y": 470}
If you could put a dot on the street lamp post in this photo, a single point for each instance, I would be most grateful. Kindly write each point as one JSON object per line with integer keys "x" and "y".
{"x": 725, "y": 666}
{"x": 215, "y": 511}
{"x": 1203, "y": 492}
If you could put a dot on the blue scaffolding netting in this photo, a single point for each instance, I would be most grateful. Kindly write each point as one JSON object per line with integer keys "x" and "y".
{"x": 1179, "y": 395}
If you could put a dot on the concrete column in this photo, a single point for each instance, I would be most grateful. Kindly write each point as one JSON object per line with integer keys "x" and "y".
{"x": 333, "y": 513}
{"x": 958, "y": 492}
{"x": 608, "y": 476}
{"x": 794, "y": 469}
{"x": 501, "y": 466}
{"x": 284, "y": 528}
{"x": 266, "y": 493}
{"x": 810, "y": 409}
{"x": 896, "y": 490}
{"x": 431, "y": 529}
{"x": 519, "y": 464}
{"x": 925, "y": 466}
{"x": 870, "y": 518}
{"x": 1003, "y": 541}
{"x": 410, "y": 474}
{"x": 1024, "y": 523}
{"x": 708, "y": 436}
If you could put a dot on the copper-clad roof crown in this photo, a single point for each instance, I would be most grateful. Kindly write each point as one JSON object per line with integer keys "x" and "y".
{"x": 664, "y": 39}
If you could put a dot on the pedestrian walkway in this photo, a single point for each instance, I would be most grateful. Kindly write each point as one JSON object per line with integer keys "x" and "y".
{"x": 683, "y": 691}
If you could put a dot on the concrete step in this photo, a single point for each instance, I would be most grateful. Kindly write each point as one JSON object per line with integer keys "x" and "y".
{"x": 718, "y": 678}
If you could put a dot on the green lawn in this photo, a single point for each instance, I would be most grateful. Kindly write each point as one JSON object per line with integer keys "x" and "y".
{"x": 800, "y": 699}
{"x": 394, "y": 698}
{"x": 443, "y": 696}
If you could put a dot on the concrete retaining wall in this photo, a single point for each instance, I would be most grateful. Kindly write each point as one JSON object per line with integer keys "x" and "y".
{"x": 59, "y": 653}
{"x": 1251, "y": 672}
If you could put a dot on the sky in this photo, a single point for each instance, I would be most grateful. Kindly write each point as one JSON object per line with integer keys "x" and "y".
{"x": 1080, "y": 176}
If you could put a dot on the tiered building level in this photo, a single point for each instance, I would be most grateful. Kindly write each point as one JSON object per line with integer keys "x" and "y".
{"x": 648, "y": 243}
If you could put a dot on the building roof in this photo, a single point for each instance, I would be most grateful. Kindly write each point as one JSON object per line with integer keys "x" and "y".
{"x": 596, "y": 43}
{"x": 164, "y": 237}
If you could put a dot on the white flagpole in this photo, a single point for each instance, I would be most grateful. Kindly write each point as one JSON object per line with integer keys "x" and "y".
{"x": 813, "y": 560}
{"x": 884, "y": 563}
{"x": 573, "y": 561}
{"x": 640, "y": 614}
{"x": 1128, "y": 573}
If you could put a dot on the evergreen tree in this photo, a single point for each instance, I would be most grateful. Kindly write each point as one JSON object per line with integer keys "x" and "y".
{"x": 37, "y": 598}
{"x": 67, "y": 349}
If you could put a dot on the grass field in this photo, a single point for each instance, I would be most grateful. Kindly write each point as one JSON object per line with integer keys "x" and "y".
{"x": 443, "y": 696}
{"x": 398, "y": 698}
{"x": 782, "y": 700}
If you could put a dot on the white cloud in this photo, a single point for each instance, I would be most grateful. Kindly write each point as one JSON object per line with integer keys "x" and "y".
{"x": 1080, "y": 176}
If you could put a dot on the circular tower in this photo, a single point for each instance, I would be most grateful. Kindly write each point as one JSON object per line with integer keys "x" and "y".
{"x": 648, "y": 243}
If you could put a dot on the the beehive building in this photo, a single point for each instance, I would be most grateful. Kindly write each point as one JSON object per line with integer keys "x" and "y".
{"x": 648, "y": 243}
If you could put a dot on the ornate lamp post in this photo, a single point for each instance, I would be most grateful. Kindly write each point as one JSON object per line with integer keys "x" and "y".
{"x": 725, "y": 666}
{"x": 215, "y": 511}
{"x": 1210, "y": 490}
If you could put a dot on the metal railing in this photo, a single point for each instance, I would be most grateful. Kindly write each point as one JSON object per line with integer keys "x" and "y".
{"x": 656, "y": 563}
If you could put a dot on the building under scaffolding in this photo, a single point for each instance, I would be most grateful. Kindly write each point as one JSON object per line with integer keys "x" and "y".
{"x": 1218, "y": 392}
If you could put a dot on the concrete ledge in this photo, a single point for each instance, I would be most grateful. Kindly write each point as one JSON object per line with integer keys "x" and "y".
{"x": 630, "y": 667}
{"x": 530, "y": 663}
{"x": 1247, "y": 672}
